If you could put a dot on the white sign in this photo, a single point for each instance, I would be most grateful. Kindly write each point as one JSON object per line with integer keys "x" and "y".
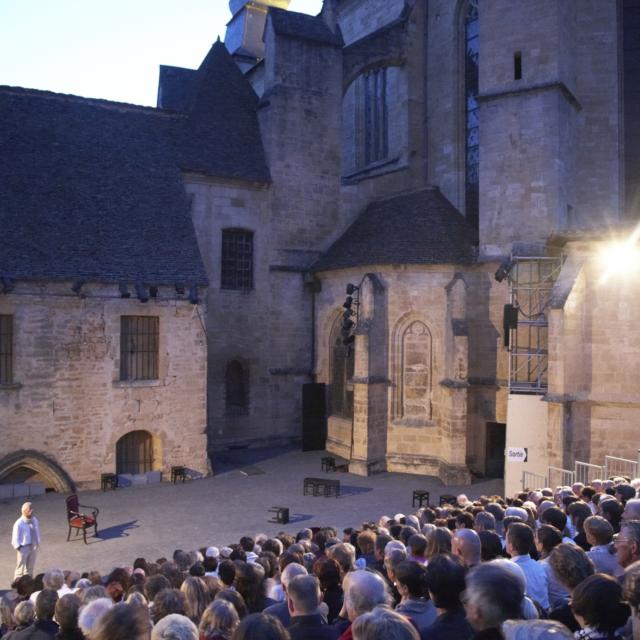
{"x": 517, "y": 454}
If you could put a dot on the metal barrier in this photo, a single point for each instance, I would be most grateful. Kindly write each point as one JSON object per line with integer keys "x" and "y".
{"x": 620, "y": 467}
{"x": 559, "y": 477}
{"x": 586, "y": 472}
{"x": 533, "y": 481}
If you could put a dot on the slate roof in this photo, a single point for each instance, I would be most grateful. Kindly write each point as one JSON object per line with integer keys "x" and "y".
{"x": 90, "y": 189}
{"x": 175, "y": 87}
{"x": 221, "y": 134}
{"x": 421, "y": 227}
{"x": 303, "y": 27}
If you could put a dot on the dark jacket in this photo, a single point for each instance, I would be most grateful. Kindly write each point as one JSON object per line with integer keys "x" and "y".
{"x": 333, "y": 598}
{"x": 39, "y": 630}
{"x": 450, "y": 624}
{"x": 69, "y": 634}
{"x": 280, "y": 611}
{"x": 311, "y": 627}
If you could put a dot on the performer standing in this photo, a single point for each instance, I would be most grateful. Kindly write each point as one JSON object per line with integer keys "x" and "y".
{"x": 26, "y": 540}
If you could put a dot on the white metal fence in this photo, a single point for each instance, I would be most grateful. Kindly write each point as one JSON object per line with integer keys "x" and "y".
{"x": 561, "y": 477}
{"x": 533, "y": 481}
{"x": 620, "y": 467}
{"x": 586, "y": 472}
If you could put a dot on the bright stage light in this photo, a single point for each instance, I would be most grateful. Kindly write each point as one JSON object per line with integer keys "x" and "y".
{"x": 620, "y": 259}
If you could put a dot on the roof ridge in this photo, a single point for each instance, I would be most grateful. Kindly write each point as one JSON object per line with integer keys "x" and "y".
{"x": 407, "y": 192}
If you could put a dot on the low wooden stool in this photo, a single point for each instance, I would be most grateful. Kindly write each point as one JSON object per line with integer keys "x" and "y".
{"x": 109, "y": 481}
{"x": 281, "y": 515}
{"x": 420, "y": 496}
{"x": 178, "y": 473}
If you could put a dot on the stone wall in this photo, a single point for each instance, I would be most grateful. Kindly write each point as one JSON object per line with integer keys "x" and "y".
{"x": 358, "y": 18}
{"x": 68, "y": 403}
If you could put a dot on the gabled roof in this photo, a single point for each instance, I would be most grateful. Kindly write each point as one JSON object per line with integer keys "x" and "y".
{"x": 220, "y": 135}
{"x": 175, "y": 88}
{"x": 303, "y": 27}
{"x": 420, "y": 227}
{"x": 90, "y": 189}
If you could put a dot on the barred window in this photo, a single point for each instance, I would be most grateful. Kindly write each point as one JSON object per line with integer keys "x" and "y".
{"x": 237, "y": 259}
{"x": 6, "y": 349}
{"x": 139, "y": 339}
{"x": 372, "y": 128}
{"x": 236, "y": 389}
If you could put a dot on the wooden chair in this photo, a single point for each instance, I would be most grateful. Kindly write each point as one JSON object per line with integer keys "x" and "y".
{"x": 81, "y": 521}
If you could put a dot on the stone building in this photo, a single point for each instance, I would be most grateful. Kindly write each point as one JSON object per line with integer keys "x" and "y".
{"x": 458, "y": 166}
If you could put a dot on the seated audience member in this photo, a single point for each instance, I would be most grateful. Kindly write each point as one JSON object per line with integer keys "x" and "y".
{"x": 599, "y": 534}
{"x": 260, "y": 626}
{"x": 378, "y": 551}
{"x": 24, "y": 615}
{"x": 91, "y": 613}
{"x": 632, "y": 597}
{"x": 66, "y": 615}
{"x": 611, "y": 510}
{"x": 383, "y": 623}
{"x": 493, "y": 595}
{"x": 490, "y": 545}
{"x": 227, "y": 573}
{"x": 497, "y": 512}
{"x": 464, "y": 520}
{"x": 328, "y": 573}
{"x": 417, "y": 547}
{"x": 53, "y": 580}
{"x": 547, "y": 538}
{"x": 123, "y": 622}
{"x": 598, "y": 607}
{"x": 218, "y": 621}
{"x": 579, "y": 512}
{"x": 627, "y": 543}
{"x": 392, "y": 559}
{"x": 466, "y": 544}
{"x": 345, "y": 555}
{"x": 625, "y": 492}
{"x": 174, "y": 627}
{"x": 304, "y": 599}
{"x": 247, "y": 543}
{"x": 363, "y": 591}
{"x": 44, "y": 627}
{"x": 446, "y": 580}
{"x": 366, "y": 543}
{"x": 571, "y": 566}
{"x": 535, "y": 630}
{"x": 411, "y": 582}
{"x": 519, "y": 546}
{"x": 438, "y": 541}
{"x": 234, "y": 598}
{"x": 631, "y": 510}
{"x": 167, "y": 602}
{"x": 7, "y": 615}
{"x": 280, "y": 610}
{"x": 556, "y": 518}
{"x": 196, "y": 598}
{"x": 484, "y": 521}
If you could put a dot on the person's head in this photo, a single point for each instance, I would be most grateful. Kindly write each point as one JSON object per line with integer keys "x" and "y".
{"x": 631, "y": 509}
{"x": 439, "y": 541}
{"x": 627, "y": 543}
{"x": 464, "y": 520}
{"x": 344, "y": 554}
{"x": 484, "y": 521}
{"x": 570, "y": 564}
{"x": 46, "y": 604}
{"x": 578, "y": 512}
{"x": 411, "y": 579}
{"x": 363, "y": 590}
{"x": 598, "y": 530}
{"x": 597, "y": 602}
{"x": 547, "y": 537}
{"x": 381, "y": 542}
{"x": 290, "y": 572}
{"x": 555, "y": 517}
{"x": 611, "y": 510}
{"x": 123, "y": 622}
{"x": 227, "y": 572}
{"x": 466, "y": 544}
{"x": 382, "y": 622}
{"x": 234, "y": 598}
{"x": 154, "y": 585}
{"x": 519, "y": 540}
{"x": 196, "y": 598}
{"x": 446, "y": 575}
{"x": 96, "y": 592}
{"x": 7, "y": 617}
{"x": 23, "y": 586}
{"x": 625, "y": 492}
{"x": 27, "y": 510}
{"x": 219, "y": 618}
{"x": 91, "y": 613}
{"x": 417, "y": 545}
{"x": 493, "y": 595}
{"x": 260, "y": 626}
{"x": 175, "y": 627}
{"x": 66, "y": 611}
{"x": 303, "y": 595}
{"x": 392, "y": 559}
{"x": 632, "y": 595}
{"x": 490, "y": 545}
{"x": 366, "y": 542}
{"x": 167, "y": 602}
{"x": 327, "y": 570}
{"x": 53, "y": 579}
{"x": 24, "y": 613}
{"x": 535, "y": 630}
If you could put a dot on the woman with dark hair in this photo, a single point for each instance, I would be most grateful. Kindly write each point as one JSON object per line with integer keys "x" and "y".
{"x": 411, "y": 582}
{"x": 490, "y": 545}
{"x": 611, "y": 510}
{"x": 249, "y": 584}
{"x": 260, "y": 626}
{"x": 579, "y": 512}
{"x": 67, "y": 609}
{"x": 327, "y": 570}
{"x": 598, "y": 606}
{"x": 438, "y": 541}
{"x": 232, "y": 596}
{"x": 547, "y": 538}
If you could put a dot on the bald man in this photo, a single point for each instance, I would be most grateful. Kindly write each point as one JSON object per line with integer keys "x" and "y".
{"x": 467, "y": 546}
{"x": 363, "y": 591}
{"x": 25, "y": 539}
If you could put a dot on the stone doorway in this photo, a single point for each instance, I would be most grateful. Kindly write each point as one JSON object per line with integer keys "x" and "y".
{"x": 134, "y": 453}
{"x": 495, "y": 443}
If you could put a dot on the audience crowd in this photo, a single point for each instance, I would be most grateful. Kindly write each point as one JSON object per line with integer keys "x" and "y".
{"x": 547, "y": 563}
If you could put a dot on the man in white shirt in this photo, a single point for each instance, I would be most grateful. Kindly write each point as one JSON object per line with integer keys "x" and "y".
{"x": 25, "y": 539}
{"x": 519, "y": 545}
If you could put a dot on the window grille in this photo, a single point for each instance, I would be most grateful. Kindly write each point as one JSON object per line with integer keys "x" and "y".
{"x": 6, "y": 349}
{"x": 139, "y": 346}
{"x": 237, "y": 259}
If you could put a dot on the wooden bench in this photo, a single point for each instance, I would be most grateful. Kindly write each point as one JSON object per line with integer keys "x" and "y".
{"x": 281, "y": 515}
{"x": 321, "y": 486}
{"x": 420, "y": 496}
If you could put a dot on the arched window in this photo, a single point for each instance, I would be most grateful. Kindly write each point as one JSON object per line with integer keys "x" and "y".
{"x": 342, "y": 367}
{"x": 472, "y": 123}
{"x": 236, "y": 389}
{"x": 236, "y": 269}
{"x": 134, "y": 452}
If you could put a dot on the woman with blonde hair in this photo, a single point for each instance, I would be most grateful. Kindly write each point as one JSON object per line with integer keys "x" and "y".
{"x": 197, "y": 598}
{"x": 438, "y": 542}
{"x": 219, "y": 620}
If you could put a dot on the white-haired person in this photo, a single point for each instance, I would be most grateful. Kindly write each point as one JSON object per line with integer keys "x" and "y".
{"x": 25, "y": 539}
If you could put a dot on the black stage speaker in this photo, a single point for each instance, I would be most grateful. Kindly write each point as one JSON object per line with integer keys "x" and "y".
{"x": 314, "y": 417}
{"x": 509, "y": 321}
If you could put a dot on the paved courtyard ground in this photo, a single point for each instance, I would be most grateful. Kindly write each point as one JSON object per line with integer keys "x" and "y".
{"x": 151, "y": 521}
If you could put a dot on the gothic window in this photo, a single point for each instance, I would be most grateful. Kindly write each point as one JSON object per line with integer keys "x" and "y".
{"x": 342, "y": 368}
{"x": 6, "y": 349}
{"x": 139, "y": 346}
{"x": 237, "y": 259}
{"x": 134, "y": 453}
{"x": 415, "y": 383}
{"x": 236, "y": 389}
{"x": 471, "y": 84}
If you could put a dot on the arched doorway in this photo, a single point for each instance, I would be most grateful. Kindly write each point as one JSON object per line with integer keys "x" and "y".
{"x": 32, "y": 466}
{"x": 134, "y": 452}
